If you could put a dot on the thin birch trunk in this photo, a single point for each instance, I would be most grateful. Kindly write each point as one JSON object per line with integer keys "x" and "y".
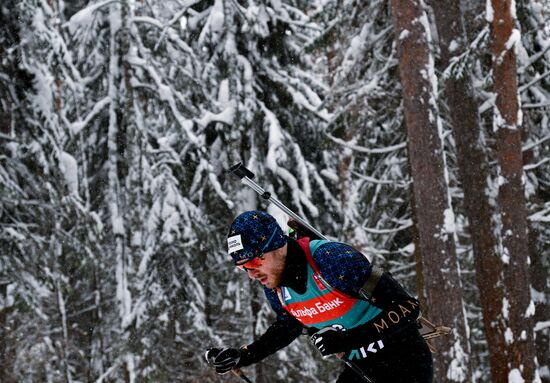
{"x": 431, "y": 196}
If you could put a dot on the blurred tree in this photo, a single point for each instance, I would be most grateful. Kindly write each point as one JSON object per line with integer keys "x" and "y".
{"x": 435, "y": 217}
{"x": 518, "y": 308}
{"x": 474, "y": 173}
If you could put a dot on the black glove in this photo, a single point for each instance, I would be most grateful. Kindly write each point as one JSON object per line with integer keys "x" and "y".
{"x": 223, "y": 359}
{"x": 330, "y": 340}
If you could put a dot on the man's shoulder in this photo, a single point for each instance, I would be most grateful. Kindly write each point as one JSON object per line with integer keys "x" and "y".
{"x": 333, "y": 252}
{"x": 341, "y": 265}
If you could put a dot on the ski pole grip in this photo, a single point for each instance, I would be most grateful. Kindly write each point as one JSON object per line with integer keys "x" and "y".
{"x": 240, "y": 171}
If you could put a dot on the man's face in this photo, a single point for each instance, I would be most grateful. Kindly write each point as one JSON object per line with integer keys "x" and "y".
{"x": 270, "y": 272}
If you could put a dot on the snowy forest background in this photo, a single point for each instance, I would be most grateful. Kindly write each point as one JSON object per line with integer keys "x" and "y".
{"x": 119, "y": 118}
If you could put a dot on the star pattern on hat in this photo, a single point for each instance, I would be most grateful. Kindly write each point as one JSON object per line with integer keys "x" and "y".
{"x": 260, "y": 233}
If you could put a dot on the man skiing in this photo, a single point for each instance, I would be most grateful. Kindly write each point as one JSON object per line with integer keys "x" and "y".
{"x": 331, "y": 291}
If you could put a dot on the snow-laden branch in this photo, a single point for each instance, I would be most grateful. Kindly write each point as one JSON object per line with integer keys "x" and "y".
{"x": 461, "y": 60}
{"x": 77, "y": 126}
{"x": 172, "y": 35}
{"x": 174, "y": 20}
{"x": 542, "y": 215}
{"x": 226, "y": 116}
{"x": 166, "y": 93}
{"x": 401, "y": 184}
{"x": 536, "y": 143}
{"x": 301, "y": 193}
{"x": 362, "y": 149}
{"x": 523, "y": 88}
{"x": 490, "y": 101}
{"x": 513, "y": 40}
{"x": 109, "y": 371}
{"x": 408, "y": 223}
{"x": 304, "y": 97}
{"x": 8, "y": 138}
{"x": 533, "y": 59}
{"x": 541, "y": 326}
{"x": 534, "y": 166}
{"x": 536, "y": 106}
{"x": 84, "y": 17}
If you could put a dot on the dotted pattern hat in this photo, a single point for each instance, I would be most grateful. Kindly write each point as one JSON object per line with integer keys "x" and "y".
{"x": 253, "y": 233}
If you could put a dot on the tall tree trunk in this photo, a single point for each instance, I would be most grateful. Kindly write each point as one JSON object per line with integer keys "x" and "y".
{"x": 473, "y": 169}
{"x": 124, "y": 298}
{"x": 432, "y": 203}
{"x": 3, "y": 330}
{"x": 539, "y": 274}
{"x": 518, "y": 307}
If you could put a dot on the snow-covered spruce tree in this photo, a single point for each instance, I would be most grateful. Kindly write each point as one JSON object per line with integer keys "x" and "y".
{"x": 151, "y": 145}
{"x": 47, "y": 247}
{"x": 256, "y": 68}
{"x": 124, "y": 93}
{"x": 70, "y": 251}
{"x": 187, "y": 95}
{"x": 356, "y": 51}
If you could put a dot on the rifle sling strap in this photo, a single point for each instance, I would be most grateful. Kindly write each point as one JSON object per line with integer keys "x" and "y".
{"x": 368, "y": 288}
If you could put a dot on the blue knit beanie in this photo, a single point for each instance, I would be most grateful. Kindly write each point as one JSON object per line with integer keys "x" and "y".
{"x": 253, "y": 233}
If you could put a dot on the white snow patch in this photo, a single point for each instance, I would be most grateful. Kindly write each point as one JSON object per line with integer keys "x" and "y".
{"x": 514, "y": 40}
{"x": 409, "y": 249}
{"x": 538, "y": 296}
{"x": 505, "y": 308}
{"x": 453, "y": 46}
{"x": 227, "y": 116}
{"x": 513, "y": 9}
{"x": 217, "y": 17}
{"x": 84, "y": 17}
{"x": 541, "y": 326}
{"x": 530, "y": 310}
{"x": 118, "y": 225}
{"x": 457, "y": 371}
{"x": 404, "y": 34}
{"x": 223, "y": 93}
{"x": 489, "y": 11}
{"x": 505, "y": 256}
{"x": 69, "y": 168}
{"x": 509, "y": 336}
{"x": 136, "y": 239}
{"x": 14, "y": 233}
{"x": 514, "y": 376}
{"x": 449, "y": 219}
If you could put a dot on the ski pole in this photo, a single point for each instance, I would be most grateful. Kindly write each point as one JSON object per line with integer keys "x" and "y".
{"x": 355, "y": 368}
{"x": 239, "y": 373}
{"x": 246, "y": 176}
{"x": 342, "y": 356}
